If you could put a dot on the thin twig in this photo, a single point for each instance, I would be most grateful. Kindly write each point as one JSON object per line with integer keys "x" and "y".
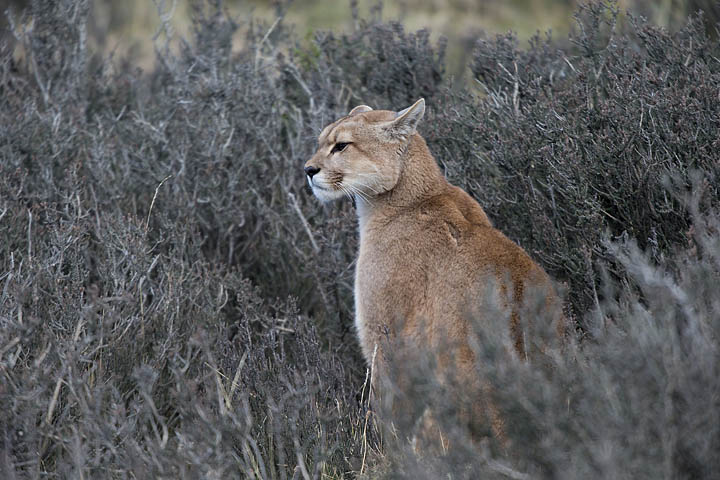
{"x": 53, "y": 400}
{"x": 368, "y": 375}
{"x": 516, "y": 92}
{"x": 29, "y": 234}
{"x": 236, "y": 379}
{"x": 152, "y": 204}
{"x": 304, "y": 221}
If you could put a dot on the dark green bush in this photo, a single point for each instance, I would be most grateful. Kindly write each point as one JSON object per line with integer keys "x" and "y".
{"x": 174, "y": 304}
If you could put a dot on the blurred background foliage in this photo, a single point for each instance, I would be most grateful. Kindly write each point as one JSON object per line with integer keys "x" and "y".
{"x": 128, "y": 27}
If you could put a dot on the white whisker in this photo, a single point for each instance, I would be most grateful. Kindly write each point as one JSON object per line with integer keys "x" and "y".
{"x": 366, "y": 185}
{"x": 360, "y": 193}
{"x": 346, "y": 192}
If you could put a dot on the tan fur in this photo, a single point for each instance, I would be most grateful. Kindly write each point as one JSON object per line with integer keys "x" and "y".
{"x": 427, "y": 249}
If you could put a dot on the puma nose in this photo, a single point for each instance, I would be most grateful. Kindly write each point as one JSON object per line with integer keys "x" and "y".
{"x": 310, "y": 171}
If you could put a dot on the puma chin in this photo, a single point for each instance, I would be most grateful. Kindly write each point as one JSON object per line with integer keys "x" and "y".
{"x": 427, "y": 255}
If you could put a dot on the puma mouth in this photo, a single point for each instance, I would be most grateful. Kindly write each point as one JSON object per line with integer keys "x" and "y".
{"x": 322, "y": 188}
{"x": 326, "y": 193}
{"x": 326, "y": 184}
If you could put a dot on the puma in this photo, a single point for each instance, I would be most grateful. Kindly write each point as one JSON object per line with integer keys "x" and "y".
{"x": 428, "y": 252}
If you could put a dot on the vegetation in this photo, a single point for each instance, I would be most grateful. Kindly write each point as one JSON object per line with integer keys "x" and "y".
{"x": 175, "y": 304}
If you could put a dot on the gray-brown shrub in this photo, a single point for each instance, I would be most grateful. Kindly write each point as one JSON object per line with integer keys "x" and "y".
{"x": 174, "y": 304}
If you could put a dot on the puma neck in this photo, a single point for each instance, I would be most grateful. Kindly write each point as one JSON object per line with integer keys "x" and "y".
{"x": 420, "y": 178}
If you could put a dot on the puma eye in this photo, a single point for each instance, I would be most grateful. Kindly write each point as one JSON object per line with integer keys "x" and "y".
{"x": 339, "y": 147}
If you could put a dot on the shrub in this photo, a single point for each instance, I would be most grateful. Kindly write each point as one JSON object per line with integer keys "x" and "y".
{"x": 175, "y": 304}
{"x": 569, "y": 146}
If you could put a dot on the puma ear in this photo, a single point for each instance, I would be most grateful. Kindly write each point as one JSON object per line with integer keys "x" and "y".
{"x": 406, "y": 121}
{"x": 359, "y": 109}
